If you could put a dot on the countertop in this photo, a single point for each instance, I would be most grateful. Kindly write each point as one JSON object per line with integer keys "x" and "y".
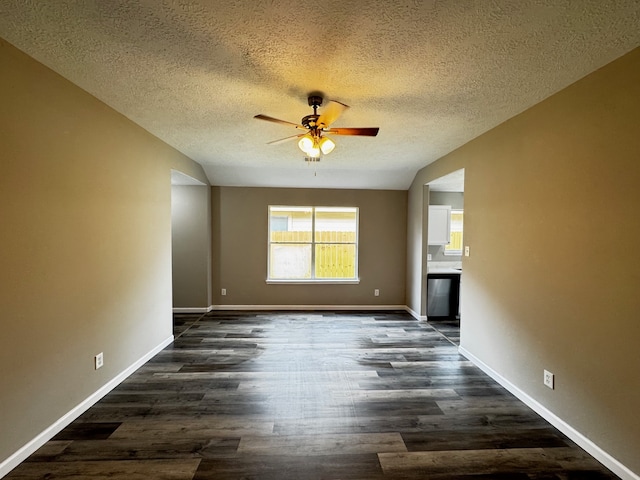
{"x": 443, "y": 270}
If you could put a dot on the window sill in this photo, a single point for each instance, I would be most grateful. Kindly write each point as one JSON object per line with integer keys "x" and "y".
{"x": 329, "y": 281}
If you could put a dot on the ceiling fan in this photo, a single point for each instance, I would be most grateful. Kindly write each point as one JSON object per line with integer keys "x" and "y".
{"x": 313, "y": 142}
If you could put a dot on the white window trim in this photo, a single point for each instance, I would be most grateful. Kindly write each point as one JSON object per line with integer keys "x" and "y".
{"x": 453, "y": 253}
{"x": 313, "y": 280}
{"x": 328, "y": 281}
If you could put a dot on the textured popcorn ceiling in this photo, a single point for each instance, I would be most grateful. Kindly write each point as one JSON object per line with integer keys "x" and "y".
{"x": 431, "y": 74}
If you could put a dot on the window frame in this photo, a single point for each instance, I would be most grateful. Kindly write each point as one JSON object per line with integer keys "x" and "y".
{"x": 313, "y": 243}
{"x": 451, "y": 252}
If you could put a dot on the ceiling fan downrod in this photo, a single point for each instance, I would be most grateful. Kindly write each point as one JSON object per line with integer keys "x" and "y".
{"x": 310, "y": 122}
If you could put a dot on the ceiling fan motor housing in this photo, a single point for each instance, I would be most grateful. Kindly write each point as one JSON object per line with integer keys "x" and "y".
{"x": 315, "y": 101}
{"x": 310, "y": 122}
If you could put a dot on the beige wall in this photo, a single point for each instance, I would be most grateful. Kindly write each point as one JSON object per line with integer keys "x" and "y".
{"x": 548, "y": 196}
{"x": 85, "y": 250}
{"x": 191, "y": 246}
{"x": 240, "y": 247}
{"x": 417, "y": 218}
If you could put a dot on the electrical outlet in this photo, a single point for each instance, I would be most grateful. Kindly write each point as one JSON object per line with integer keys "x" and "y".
{"x": 466, "y": 251}
{"x": 376, "y": 293}
{"x": 429, "y": 257}
{"x": 223, "y": 292}
{"x": 98, "y": 360}
{"x": 549, "y": 379}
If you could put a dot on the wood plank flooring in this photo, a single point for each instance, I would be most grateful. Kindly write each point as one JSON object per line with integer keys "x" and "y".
{"x": 309, "y": 395}
{"x": 449, "y": 328}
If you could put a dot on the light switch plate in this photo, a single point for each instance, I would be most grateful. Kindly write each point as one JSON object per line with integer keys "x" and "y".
{"x": 466, "y": 251}
{"x": 98, "y": 360}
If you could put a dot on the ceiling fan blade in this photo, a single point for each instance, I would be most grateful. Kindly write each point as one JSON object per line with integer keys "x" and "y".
{"x": 367, "y": 132}
{"x": 277, "y": 120}
{"x": 330, "y": 113}
{"x": 286, "y": 139}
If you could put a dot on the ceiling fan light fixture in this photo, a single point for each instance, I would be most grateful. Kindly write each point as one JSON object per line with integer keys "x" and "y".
{"x": 314, "y": 151}
{"x": 306, "y": 143}
{"x": 327, "y": 145}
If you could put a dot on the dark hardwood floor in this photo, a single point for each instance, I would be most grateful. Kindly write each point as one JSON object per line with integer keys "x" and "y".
{"x": 330, "y": 395}
{"x": 450, "y": 329}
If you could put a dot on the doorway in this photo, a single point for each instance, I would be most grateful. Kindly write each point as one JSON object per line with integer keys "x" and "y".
{"x": 444, "y": 257}
{"x": 190, "y": 246}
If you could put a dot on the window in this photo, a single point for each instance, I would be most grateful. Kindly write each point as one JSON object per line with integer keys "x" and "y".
{"x": 455, "y": 243}
{"x": 313, "y": 243}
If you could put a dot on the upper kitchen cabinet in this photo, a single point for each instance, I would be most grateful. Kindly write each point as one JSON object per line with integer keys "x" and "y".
{"x": 439, "y": 224}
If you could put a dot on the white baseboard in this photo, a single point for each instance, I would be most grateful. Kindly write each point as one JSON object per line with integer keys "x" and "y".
{"x": 210, "y": 308}
{"x": 594, "y": 450}
{"x": 307, "y": 307}
{"x": 192, "y": 309}
{"x": 21, "y": 455}
{"x": 415, "y": 314}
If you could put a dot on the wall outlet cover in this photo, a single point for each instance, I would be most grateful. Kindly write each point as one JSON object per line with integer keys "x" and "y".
{"x": 549, "y": 379}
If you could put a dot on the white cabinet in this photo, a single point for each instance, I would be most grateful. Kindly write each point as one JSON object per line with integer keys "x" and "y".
{"x": 439, "y": 224}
